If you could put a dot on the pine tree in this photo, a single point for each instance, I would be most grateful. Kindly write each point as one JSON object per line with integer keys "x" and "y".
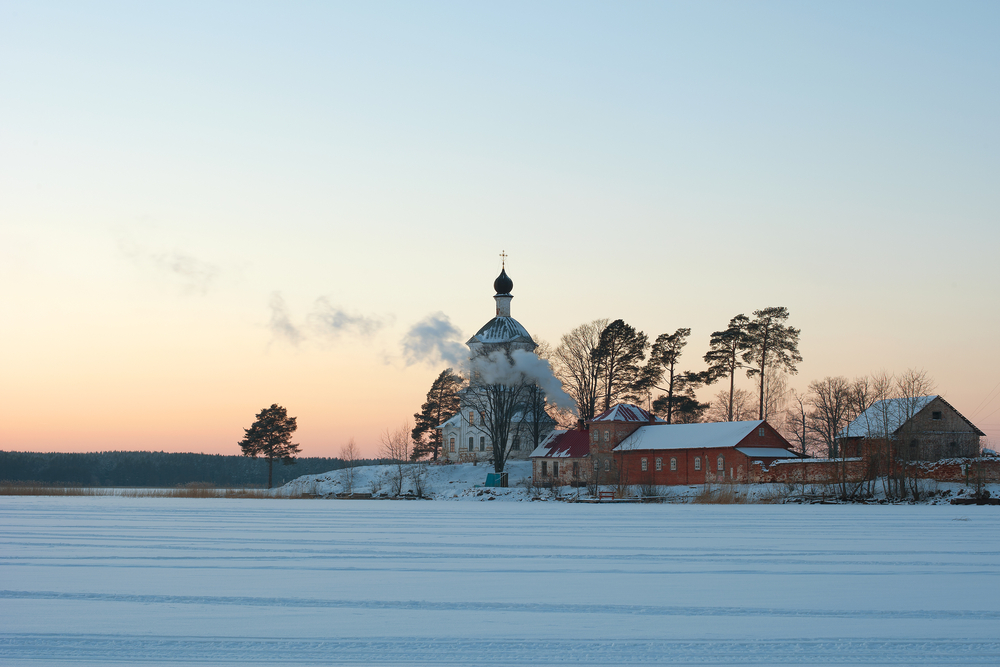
{"x": 270, "y": 436}
{"x": 662, "y": 372}
{"x": 771, "y": 344}
{"x": 618, "y": 355}
{"x": 723, "y": 356}
{"x": 442, "y": 402}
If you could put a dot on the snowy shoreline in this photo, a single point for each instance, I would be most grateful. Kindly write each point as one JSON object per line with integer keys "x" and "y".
{"x": 458, "y": 482}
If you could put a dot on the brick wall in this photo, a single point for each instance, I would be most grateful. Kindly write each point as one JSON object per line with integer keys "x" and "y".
{"x": 560, "y": 471}
{"x": 827, "y": 471}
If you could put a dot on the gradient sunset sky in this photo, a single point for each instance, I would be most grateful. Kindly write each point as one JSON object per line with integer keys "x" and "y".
{"x": 206, "y": 208}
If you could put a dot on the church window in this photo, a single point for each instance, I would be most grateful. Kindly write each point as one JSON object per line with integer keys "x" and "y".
{"x": 451, "y": 444}
{"x": 607, "y": 435}
{"x": 472, "y": 417}
{"x": 607, "y": 465}
{"x": 720, "y": 464}
{"x": 597, "y": 435}
{"x": 470, "y": 443}
{"x": 482, "y": 443}
{"x": 516, "y": 446}
{"x": 697, "y": 463}
{"x": 576, "y": 469}
{"x": 659, "y": 463}
{"x": 555, "y": 468}
{"x": 673, "y": 463}
{"x": 545, "y": 468}
{"x": 644, "y": 463}
{"x": 761, "y": 432}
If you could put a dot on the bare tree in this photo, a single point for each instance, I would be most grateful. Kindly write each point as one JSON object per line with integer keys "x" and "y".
{"x": 396, "y": 449}
{"x": 534, "y": 420}
{"x": 829, "y": 400}
{"x": 574, "y": 363}
{"x": 736, "y": 406}
{"x": 497, "y": 391}
{"x": 775, "y": 396}
{"x": 349, "y": 455}
{"x": 796, "y": 423}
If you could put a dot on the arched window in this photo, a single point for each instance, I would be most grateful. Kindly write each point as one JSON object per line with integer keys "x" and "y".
{"x": 697, "y": 463}
{"x": 517, "y": 443}
{"x": 673, "y": 463}
{"x": 659, "y": 463}
{"x": 607, "y": 465}
{"x": 472, "y": 417}
{"x": 555, "y": 468}
{"x": 597, "y": 435}
{"x": 720, "y": 464}
{"x": 471, "y": 440}
{"x": 451, "y": 444}
{"x": 607, "y": 435}
{"x": 482, "y": 443}
{"x": 545, "y": 468}
{"x": 645, "y": 464}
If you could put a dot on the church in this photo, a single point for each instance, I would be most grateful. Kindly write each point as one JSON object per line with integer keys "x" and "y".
{"x": 464, "y": 437}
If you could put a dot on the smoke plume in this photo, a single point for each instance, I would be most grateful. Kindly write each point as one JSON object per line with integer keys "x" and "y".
{"x": 522, "y": 365}
{"x": 281, "y": 324}
{"x": 331, "y": 321}
{"x": 434, "y": 339}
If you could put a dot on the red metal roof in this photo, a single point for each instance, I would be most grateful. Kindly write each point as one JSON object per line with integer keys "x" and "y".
{"x": 626, "y": 412}
{"x": 571, "y": 444}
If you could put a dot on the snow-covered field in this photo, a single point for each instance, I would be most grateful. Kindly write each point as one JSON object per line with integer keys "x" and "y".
{"x": 98, "y": 580}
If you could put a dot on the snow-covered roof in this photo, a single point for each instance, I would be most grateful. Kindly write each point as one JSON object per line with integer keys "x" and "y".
{"x": 885, "y": 417}
{"x": 767, "y": 452}
{"x": 564, "y": 444}
{"x": 501, "y": 330}
{"x": 455, "y": 420}
{"x": 688, "y": 436}
{"x": 626, "y": 412}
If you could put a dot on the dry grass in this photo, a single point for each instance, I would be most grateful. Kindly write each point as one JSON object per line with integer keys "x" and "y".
{"x": 193, "y": 491}
{"x": 726, "y": 494}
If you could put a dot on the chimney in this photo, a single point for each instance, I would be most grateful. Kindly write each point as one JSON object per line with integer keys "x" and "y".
{"x": 580, "y": 426}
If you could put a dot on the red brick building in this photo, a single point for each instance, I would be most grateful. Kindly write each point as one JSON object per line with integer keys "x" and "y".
{"x": 585, "y": 454}
{"x": 629, "y": 444}
{"x": 699, "y": 453}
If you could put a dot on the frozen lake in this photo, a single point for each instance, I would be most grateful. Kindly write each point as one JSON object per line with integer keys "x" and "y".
{"x": 93, "y": 580}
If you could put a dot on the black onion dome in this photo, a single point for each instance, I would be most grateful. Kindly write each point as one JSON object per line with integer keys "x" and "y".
{"x": 503, "y": 284}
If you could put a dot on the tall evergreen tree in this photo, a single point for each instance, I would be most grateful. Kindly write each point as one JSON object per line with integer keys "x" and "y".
{"x": 723, "y": 356}
{"x": 683, "y": 407}
{"x": 662, "y": 372}
{"x": 619, "y": 353}
{"x": 771, "y": 344}
{"x": 270, "y": 436}
{"x": 442, "y": 402}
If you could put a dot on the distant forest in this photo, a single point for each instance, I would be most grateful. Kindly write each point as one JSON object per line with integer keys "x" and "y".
{"x": 155, "y": 469}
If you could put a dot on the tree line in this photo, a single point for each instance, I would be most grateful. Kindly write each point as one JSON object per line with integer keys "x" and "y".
{"x": 601, "y": 363}
{"x": 155, "y": 469}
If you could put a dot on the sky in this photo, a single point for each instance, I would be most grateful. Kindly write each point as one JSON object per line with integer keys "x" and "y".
{"x": 210, "y": 207}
